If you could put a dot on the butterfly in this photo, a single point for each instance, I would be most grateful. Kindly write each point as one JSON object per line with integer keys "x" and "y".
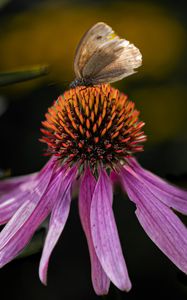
{"x": 103, "y": 57}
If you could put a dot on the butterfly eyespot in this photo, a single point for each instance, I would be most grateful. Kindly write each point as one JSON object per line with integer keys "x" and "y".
{"x": 99, "y": 37}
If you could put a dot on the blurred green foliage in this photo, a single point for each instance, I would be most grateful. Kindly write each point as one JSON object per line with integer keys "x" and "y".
{"x": 16, "y": 76}
{"x": 3, "y": 3}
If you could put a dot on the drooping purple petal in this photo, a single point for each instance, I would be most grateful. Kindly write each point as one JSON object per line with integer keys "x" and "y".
{"x": 18, "y": 193}
{"x": 19, "y": 230}
{"x": 114, "y": 177}
{"x": 159, "y": 222}
{"x": 169, "y": 194}
{"x": 105, "y": 235}
{"x": 8, "y": 184}
{"x": 58, "y": 220}
{"x": 20, "y": 190}
{"x": 29, "y": 204}
{"x": 100, "y": 280}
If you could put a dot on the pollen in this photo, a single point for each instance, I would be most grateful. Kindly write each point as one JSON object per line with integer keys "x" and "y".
{"x": 93, "y": 125}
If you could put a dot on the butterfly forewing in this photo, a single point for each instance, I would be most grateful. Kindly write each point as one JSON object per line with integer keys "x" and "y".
{"x": 103, "y": 57}
{"x": 90, "y": 43}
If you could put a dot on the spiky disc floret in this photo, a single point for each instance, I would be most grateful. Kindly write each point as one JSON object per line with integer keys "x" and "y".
{"x": 96, "y": 125}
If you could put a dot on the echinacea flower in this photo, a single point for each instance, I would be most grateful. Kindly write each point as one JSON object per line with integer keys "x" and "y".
{"x": 92, "y": 134}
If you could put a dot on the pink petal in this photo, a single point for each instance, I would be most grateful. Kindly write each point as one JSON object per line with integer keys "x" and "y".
{"x": 160, "y": 223}
{"x": 15, "y": 234}
{"x": 105, "y": 235}
{"x": 167, "y": 193}
{"x": 6, "y": 185}
{"x": 114, "y": 177}
{"x": 28, "y": 206}
{"x": 58, "y": 220}
{"x": 100, "y": 281}
{"x": 18, "y": 193}
{"x": 20, "y": 189}
{"x": 31, "y": 214}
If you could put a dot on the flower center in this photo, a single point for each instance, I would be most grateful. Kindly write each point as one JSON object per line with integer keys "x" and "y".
{"x": 93, "y": 125}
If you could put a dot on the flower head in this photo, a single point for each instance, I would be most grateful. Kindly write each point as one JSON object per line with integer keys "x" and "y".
{"x": 93, "y": 126}
{"x": 92, "y": 134}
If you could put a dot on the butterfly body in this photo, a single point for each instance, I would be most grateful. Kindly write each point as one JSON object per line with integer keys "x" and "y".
{"x": 81, "y": 81}
{"x": 103, "y": 57}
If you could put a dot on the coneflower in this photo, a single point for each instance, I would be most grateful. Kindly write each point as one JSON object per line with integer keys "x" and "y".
{"x": 92, "y": 134}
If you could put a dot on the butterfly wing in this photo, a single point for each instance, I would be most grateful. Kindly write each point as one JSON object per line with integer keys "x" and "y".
{"x": 102, "y": 56}
{"x": 90, "y": 43}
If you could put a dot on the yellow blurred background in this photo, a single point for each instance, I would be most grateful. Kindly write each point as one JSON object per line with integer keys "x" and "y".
{"x": 49, "y": 33}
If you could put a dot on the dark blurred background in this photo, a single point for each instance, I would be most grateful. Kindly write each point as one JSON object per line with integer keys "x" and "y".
{"x": 39, "y": 32}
